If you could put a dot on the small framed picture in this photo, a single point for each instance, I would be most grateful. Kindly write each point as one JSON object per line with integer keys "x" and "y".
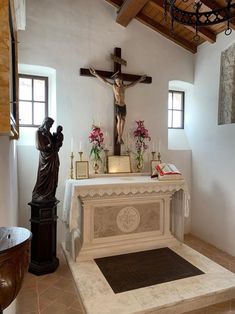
{"x": 153, "y": 165}
{"x": 119, "y": 164}
{"x": 82, "y": 170}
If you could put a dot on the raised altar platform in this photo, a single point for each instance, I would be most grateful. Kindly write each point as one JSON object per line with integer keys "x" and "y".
{"x": 109, "y": 216}
{"x": 120, "y": 214}
{"x": 216, "y": 285}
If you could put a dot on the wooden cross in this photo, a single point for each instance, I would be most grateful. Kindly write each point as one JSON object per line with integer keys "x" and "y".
{"x": 118, "y": 62}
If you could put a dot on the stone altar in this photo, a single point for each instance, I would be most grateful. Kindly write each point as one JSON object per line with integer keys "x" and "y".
{"x": 119, "y": 214}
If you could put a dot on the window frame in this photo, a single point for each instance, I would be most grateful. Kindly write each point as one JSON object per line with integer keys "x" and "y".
{"x": 178, "y": 110}
{"x": 34, "y": 77}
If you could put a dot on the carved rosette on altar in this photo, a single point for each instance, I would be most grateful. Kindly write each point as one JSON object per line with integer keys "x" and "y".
{"x": 128, "y": 219}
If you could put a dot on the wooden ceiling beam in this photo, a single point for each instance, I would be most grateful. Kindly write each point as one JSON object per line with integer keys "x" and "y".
{"x": 129, "y": 10}
{"x": 212, "y": 5}
{"x": 159, "y": 28}
{"x": 202, "y": 32}
{"x": 116, "y": 3}
{"x": 166, "y": 32}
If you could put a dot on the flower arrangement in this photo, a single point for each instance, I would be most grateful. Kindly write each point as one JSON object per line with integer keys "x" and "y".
{"x": 141, "y": 134}
{"x": 96, "y": 138}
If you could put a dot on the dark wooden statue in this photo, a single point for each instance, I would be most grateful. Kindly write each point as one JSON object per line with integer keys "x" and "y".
{"x": 44, "y": 202}
{"x": 48, "y": 168}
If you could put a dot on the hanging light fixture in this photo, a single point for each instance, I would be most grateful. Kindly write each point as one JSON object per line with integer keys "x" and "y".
{"x": 197, "y": 18}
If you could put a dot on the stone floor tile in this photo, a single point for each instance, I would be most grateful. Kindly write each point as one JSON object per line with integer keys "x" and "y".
{"x": 77, "y": 306}
{"x": 66, "y": 298}
{"x": 66, "y": 285}
{"x": 43, "y": 302}
{"x": 29, "y": 281}
{"x": 41, "y": 286}
{"x": 26, "y": 305}
{"x": 55, "y": 308}
{"x": 64, "y": 272}
{"x": 49, "y": 279}
{"x": 51, "y": 293}
{"x": 28, "y": 293}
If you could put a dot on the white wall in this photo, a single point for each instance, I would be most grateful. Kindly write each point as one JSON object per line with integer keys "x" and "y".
{"x": 67, "y": 35}
{"x": 213, "y": 147}
{"x": 8, "y": 183}
{"x": 8, "y": 189}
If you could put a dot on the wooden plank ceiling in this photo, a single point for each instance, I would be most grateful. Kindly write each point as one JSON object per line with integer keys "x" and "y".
{"x": 151, "y": 14}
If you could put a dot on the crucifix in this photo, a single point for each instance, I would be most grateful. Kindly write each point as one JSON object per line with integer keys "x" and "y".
{"x": 116, "y": 76}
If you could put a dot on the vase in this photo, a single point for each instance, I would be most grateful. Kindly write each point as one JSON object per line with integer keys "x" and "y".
{"x": 140, "y": 164}
{"x": 96, "y": 166}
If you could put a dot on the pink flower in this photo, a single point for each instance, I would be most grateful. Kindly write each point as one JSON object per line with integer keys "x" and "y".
{"x": 141, "y": 134}
{"x": 96, "y": 138}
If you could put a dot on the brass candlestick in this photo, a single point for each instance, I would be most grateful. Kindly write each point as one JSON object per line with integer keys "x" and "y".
{"x": 106, "y": 151}
{"x": 153, "y": 155}
{"x": 71, "y": 166}
{"x": 159, "y": 158}
{"x": 80, "y": 154}
{"x": 128, "y": 151}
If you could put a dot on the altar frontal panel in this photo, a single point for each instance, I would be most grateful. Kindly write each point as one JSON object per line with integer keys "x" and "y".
{"x": 130, "y": 218}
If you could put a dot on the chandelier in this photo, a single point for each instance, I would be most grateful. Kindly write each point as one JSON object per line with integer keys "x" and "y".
{"x": 198, "y": 18}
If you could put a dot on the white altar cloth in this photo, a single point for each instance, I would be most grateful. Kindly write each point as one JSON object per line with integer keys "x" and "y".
{"x": 115, "y": 185}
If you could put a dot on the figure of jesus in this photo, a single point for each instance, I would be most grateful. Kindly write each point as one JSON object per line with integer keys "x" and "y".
{"x": 119, "y": 96}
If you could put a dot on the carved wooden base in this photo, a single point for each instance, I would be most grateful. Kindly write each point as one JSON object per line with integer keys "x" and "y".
{"x": 43, "y": 247}
{"x": 44, "y": 268}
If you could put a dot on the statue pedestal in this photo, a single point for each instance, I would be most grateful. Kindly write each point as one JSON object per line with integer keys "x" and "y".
{"x": 43, "y": 247}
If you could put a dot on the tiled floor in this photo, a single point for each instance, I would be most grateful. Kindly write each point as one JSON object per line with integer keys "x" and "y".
{"x": 56, "y": 293}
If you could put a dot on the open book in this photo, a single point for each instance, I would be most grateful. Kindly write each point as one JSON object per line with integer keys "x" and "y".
{"x": 167, "y": 172}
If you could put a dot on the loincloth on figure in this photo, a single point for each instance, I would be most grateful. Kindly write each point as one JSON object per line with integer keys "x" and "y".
{"x": 120, "y": 110}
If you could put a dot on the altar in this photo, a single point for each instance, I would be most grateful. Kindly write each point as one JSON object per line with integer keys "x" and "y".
{"x": 112, "y": 215}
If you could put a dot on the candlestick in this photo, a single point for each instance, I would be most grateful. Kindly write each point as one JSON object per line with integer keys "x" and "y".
{"x": 71, "y": 166}
{"x": 106, "y": 151}
{"x": 71, "y": 145}
{"x": 159, "y": 146}
{"x": 128, "y": 151}
{"x": 80, "y": 154}
{"x": 153, "y": 155}
{"x": 80, "y": 146}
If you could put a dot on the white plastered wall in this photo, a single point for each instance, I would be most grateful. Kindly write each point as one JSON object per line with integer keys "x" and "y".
{"x": 8, "y": 190}
{"x": 213, "y": 151}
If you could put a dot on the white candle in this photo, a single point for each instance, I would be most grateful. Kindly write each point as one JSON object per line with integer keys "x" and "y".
{"x": 80, "y": 146}
{"x": 71, "y": 144}
{"x": 159, "y": 146}
{"x": 106, "y": 140}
